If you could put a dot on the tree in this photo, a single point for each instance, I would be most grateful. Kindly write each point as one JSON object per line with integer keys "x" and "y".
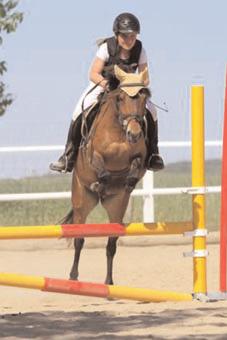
{"x": 9, "y": 20}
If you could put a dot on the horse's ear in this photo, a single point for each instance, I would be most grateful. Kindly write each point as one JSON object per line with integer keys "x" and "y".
{"x": 144, "y": 75}
{"x": 119, "y": 73}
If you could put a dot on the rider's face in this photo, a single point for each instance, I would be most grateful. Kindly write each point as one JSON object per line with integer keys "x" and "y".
{"x": 127, "y": 40}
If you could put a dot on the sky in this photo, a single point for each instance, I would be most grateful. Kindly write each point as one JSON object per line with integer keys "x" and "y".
{"x": 50, "y": 54}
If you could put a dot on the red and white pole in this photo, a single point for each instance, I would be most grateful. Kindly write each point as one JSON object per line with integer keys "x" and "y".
{"x": 223, "y": 227}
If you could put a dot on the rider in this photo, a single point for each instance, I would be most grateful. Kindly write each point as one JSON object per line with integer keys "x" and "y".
{"x": 121, "y": 49}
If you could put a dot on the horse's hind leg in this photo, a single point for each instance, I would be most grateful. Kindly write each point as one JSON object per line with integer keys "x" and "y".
{"x": 78, "y": 245}
{"x": 82, "y": 205}
{"x": 115, "y": 206}
{"x": 110, "y": 252}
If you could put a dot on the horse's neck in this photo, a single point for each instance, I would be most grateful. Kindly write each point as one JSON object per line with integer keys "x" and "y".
{"x": 109, "y": 112}
{"x": 107, "y": 121}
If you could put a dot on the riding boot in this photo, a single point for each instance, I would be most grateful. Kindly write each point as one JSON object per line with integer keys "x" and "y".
{"x": 154, "y": 160}
{"x": 66, "y": 162}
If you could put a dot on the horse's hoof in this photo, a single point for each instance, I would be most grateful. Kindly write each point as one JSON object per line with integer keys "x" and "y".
{"x": 111, "y": 298}
{"x": 98, "y": 187}
{"x": 105, "y": 178}
{"x": 109, "y": 282}
{"x": 95, "y": 187}
{"x": 131, "y": 181}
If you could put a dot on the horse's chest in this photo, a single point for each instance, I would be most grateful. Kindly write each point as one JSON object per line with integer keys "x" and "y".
{"x": 119, "y": 152}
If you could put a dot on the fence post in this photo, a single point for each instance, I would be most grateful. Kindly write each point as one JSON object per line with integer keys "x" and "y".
{"x": 148, "y": 205}
{"x": 198, "y": 180}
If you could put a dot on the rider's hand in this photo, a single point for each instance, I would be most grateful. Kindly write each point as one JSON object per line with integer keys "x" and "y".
{"x": 105, "y": 84}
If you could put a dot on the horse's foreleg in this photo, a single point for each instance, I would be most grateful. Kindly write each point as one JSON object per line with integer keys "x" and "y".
{"x": 103, "y": 175}
{"x": 110, "y": 252}
{"x": 134, "y": 174}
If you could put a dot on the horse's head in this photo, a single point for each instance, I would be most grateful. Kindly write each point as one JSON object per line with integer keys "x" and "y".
{"x": 131, "y": 102}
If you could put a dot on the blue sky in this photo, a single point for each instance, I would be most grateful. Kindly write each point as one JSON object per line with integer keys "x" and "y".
{"x": 50, "y": 54}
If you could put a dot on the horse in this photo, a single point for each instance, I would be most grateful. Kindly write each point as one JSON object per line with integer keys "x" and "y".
{"x": 112, "y": 161}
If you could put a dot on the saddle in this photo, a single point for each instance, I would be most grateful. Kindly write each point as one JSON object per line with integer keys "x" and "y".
{"x": 88, "y": 117}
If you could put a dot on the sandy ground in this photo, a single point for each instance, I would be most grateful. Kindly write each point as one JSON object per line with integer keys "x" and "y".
{"x": 149, "y": 262}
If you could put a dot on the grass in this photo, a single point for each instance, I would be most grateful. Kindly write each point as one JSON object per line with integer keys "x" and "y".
{"x": 179, "y": 207}
{"x": 167, "y": 208}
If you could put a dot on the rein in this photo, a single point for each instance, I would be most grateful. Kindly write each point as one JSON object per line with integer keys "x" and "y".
{"x": 84, "y": 120}
{"x": 142, "y": 85}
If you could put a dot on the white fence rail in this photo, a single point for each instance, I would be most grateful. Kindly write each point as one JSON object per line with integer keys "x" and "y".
{"x": 137, "y": 192}
{"x": 148, "y": 181}
{"x": 166, "y": 144}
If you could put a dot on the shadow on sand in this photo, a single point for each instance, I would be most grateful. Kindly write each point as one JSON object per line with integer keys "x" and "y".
{"x": 104, "y": 325}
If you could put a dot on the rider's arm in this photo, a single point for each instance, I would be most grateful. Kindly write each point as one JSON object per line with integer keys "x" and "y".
{"x": 98, "y": 64}
{"x": 141, "y": 68}
{"x": 95, "y": 74}
{"x": 143, "y": 63}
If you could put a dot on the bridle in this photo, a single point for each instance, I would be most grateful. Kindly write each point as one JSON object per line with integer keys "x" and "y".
{"x": 125, "y": 120}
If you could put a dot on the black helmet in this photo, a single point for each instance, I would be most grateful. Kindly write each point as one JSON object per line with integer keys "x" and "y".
{"x": 126, "y": 23}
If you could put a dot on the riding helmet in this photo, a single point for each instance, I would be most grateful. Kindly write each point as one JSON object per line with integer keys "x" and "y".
{"x": 126, "y": 23}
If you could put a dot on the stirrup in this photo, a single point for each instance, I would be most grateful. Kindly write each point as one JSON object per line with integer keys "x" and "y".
{"x": 68, "y": 167}
{"x": 55, "y": 167}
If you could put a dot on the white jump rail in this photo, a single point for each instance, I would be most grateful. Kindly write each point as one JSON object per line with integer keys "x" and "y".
{"x": 166, "y": 144}
{"x": 136, "y": 192}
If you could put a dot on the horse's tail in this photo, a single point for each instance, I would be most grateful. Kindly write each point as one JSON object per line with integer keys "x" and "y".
{"x": 68, "y": 219}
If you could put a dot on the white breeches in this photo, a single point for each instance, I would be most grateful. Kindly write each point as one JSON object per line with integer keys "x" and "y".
{"x": 91, "y": 98}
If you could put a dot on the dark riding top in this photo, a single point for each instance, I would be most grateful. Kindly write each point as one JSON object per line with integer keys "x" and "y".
{"x": 129, "y": 65}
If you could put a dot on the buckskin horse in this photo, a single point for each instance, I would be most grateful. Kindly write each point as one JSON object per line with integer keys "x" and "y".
{"x": 112, "y": 161}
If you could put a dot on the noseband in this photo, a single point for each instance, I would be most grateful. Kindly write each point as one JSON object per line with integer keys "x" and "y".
{"x": 124, "y": 121}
